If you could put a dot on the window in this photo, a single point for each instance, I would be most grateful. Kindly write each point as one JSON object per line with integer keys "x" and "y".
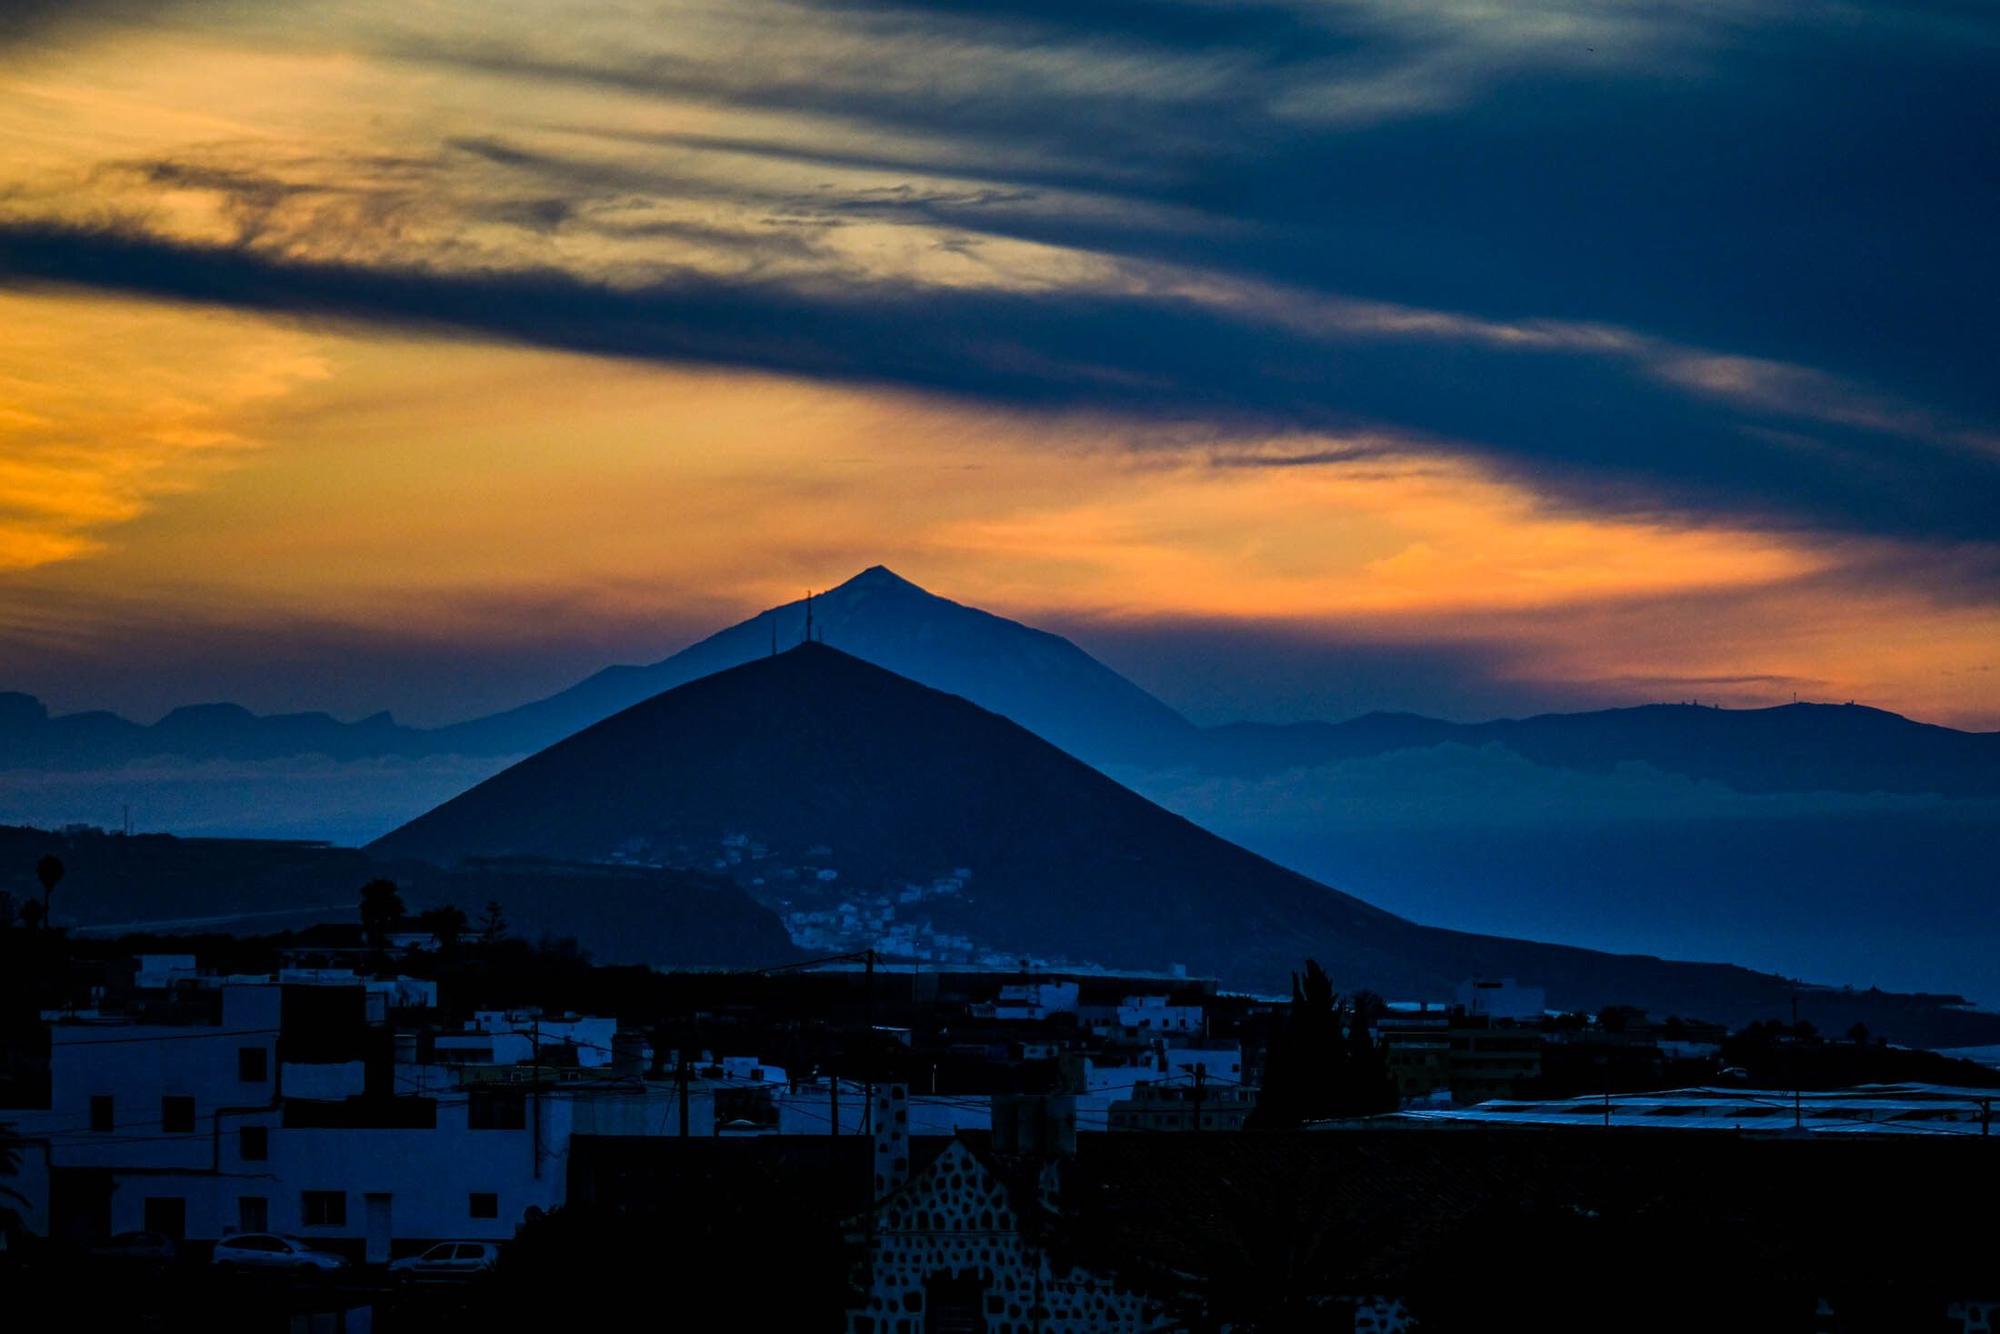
{"x": 253, "y": 1144}
{"x": 497, "y": 1109}
{"x": 485, "y": 1204}
{"x": 101, "y": 1114}
{"x": 323, "y": 1208}
{"x": 167, "y": 1215}
{"x": 252, "y": 1065}
{"x": 253, "y": 1213}
{"x": 177, "y": 1115}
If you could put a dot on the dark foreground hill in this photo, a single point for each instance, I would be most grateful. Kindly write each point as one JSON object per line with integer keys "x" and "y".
{"x": 866, "y": 807}
{"x": 157, "y": 883}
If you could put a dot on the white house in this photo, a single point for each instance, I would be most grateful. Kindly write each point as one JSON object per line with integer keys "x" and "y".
{"x": 1033, "y": 1001}
{"x": 588, "y": 1037}
{"x": 196, "y": 1129}
{"x": 1155, "y": 1014}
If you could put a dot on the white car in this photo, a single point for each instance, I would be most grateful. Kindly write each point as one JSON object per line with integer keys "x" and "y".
{"x": 268, "y": 1250}
{"x": 448, "y": 1260}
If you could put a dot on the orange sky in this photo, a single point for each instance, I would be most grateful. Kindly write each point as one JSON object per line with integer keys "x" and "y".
{"x": 226, "y": 469}
{"x": 178, "y": 478}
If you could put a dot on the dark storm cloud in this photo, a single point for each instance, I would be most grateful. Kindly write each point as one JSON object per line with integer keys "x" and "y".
{"x": 25, "y": 21}
{"x": 1742, "y": 192}
{"x": 1606, "y": 434}
{"x": 1813, "y": 191}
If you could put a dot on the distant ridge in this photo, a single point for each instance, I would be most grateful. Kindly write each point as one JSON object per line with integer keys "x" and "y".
{"x": 1062, "y": 694}
{"x": 154, "y": 882}
{"x": 1040, "y": 680}
{"x": 817, "y": 780}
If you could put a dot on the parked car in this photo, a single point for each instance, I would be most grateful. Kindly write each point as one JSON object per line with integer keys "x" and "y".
{"x": 143, "y": 1248}
{"x": 448, "y": 1260}
{"x": 268, "y": 1250}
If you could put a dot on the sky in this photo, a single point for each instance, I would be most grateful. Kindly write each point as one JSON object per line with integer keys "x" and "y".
{"x": 1297, "y": 359}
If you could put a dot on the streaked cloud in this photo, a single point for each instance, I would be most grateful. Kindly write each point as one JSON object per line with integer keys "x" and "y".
{"x": 1483, "y": 323}
{"x": 112, "y": 407}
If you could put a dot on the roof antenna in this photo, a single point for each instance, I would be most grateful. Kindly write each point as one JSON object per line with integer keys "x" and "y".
{"x": 809, "y": 616}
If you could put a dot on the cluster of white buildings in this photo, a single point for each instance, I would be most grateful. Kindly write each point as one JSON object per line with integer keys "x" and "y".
{"x": 1158, "y": 1067}
{"x": 291, "y": 1103}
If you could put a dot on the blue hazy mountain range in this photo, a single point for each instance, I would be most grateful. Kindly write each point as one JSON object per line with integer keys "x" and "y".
{"x": 860, "y": 803}
{"x": 1832, "y": 841}
{"x": 1056, "y": 690}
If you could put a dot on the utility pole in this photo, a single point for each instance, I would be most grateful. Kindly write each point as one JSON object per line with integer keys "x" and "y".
{"x": 681, "y": 1079}
{"x": 833, "y": 1103}
{"x": 1200, "y": 1093}
{"x": 868, "y": 1034}
{"x": 536, "y": 1093}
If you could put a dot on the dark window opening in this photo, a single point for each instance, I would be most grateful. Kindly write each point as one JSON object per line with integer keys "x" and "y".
{"x": 497, "y": 1109}
{"x": 954, "y": 1305}
{"x": 254, "y": 1145}
{"x": 102, "y": 1117}
{"x": 253, "y": 1065}
{"x": 323, "y": 1208}
{"x": 177, "y": 1115}
{"x": 484, "y": 1204}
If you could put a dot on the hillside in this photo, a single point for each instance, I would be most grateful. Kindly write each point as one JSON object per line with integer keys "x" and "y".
{"x": 866, "y": 808}
{"x": 155, "y": 882}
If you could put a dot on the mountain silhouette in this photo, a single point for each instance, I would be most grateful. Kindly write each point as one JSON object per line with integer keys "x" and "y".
{"x": 1040, "y": 680}
{"x": 1786, "y": 748}
{"x": 1059, "y": 692}
{"x": 824, "y": 783}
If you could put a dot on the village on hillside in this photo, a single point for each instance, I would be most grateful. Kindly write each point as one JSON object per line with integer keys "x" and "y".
{"x": 394, "y": 1120}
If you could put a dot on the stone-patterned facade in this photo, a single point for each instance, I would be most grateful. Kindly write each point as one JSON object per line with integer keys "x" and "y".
{"x": 953, "y": 1234}
{"x": 950, "y": 1251}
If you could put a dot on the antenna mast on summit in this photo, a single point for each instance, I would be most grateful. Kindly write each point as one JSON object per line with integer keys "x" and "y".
{"x": 809, "y": 616}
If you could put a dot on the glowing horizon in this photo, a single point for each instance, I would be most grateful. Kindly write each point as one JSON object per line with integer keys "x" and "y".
{"x": 349, "y": 362}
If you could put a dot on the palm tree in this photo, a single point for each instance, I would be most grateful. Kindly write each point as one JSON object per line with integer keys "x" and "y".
{"x": 448, "y": 923}
{"x": 49, "y": 870}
